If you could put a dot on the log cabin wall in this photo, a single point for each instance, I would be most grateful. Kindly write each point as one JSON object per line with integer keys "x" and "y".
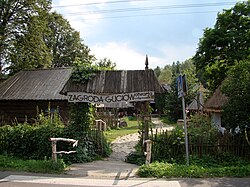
{"x": 13, "y": 111}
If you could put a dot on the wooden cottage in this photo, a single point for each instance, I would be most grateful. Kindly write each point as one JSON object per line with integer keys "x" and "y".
{"x": 23, "y": 93}
{"x": 214, "y": 105}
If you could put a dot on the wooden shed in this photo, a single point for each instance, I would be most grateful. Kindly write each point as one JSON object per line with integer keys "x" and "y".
{"x": 21, "y": 94}
{"x": 214, "y": 105}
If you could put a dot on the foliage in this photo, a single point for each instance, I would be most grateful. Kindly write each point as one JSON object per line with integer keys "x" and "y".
{"x": 165, "y": 75}
{"x": 30, "y": 141}
{"x": 197, "y": 168}
{"x": 36, "y": 166}
{"x": 200, "y": 128}
{"x": 157, "y": 71}
{"x": 21, "y": 33}
{"x": 236, "y": 110}
{"x": 106, "y": 64}
{"x": 137, "y": 158}
{"x": 168, "y": 146}
{"x": 221, "y": 46}
{"x": 173, "y": 105}
{"x": 92, "y": 144}
{"x": 81, "y": 118}
{"x": 83, "y": 72}
{"x": 33, "y": 37}
{"x": 165, "y": 120}
{"x": 65, "y": 44}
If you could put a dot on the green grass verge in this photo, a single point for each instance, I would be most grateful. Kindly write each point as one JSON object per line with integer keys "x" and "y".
{"x": 112, "y": 134}
{"x": 167, "y": 121}
{"x": 8, "y": 163}
{"x": 160, "y": 169}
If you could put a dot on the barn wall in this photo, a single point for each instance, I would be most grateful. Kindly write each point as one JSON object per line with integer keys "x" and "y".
{"x": 19, "y": 111}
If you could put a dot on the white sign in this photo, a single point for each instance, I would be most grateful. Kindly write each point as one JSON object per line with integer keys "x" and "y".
{"x": 114, "y": 98}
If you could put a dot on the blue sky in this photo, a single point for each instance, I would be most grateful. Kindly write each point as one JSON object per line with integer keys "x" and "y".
{"x": 126, "y": 30}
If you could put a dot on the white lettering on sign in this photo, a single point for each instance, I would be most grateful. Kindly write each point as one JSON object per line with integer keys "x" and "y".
{"x": 114, "y": 98}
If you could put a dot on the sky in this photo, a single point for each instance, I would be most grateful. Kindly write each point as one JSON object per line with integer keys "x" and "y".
{"x": 125, "y": 31}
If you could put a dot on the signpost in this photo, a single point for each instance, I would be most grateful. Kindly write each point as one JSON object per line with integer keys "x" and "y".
{"x": 182, "y": 90}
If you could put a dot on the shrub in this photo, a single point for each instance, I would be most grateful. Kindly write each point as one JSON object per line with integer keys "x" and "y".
{"x": 163, "y": 169}
{"x": 136, "y": 158}
{"x": 28, "y": 142}
{"x": 41, "y": 166}
{"x": 201, "y": 129}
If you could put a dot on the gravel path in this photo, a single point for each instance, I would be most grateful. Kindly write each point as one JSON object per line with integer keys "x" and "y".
{"x": 124, "y": 145}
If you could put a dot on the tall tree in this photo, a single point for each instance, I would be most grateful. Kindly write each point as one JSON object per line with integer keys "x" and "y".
{"x": 236, "y": 111}
{"x": 65, "y": 43}
{"x": 173, "y": 104}
{"x": 14, "y": 19}
{"x": 29, "y": 49}
{"x": 221, "y": 46}
{"x": 166, "y": 75}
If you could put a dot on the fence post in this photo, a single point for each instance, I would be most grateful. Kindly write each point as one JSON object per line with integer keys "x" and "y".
{"x": 148, "y": 151}
{"x": 54, "y": 156}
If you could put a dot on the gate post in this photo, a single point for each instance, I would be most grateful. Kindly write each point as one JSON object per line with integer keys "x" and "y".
{"x": 148, "y": 151}
{"x": 54, "y": 156}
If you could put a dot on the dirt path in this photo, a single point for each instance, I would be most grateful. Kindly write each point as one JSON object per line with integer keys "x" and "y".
{"x": 124, "y": 145}
{"x": 114, "y": 166}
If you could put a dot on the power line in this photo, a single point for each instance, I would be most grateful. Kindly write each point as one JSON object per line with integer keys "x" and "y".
{"x": 98, "y": 3}
{"x": 142, "y": 15}
{"x": 137, "y": 9}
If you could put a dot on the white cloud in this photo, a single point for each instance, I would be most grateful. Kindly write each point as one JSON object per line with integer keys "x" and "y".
{"x": 121, "y": 53}
{"x": 127, "y": 58}
{"x": 80, "y": 17}
{"x": 173, "y": 53}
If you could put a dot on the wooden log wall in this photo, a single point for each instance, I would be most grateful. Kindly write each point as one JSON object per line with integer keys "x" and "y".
{"x": 18, "y": 111}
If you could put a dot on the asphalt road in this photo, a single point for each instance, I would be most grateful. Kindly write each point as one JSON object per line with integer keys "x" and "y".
{"x": 21, "y": 179}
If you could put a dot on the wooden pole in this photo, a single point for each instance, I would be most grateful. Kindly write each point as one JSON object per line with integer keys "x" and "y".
{"x": 54, "y": 156}
{"x": 148, "y": 151}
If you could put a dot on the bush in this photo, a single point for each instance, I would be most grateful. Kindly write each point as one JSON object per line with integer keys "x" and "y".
{"x": 41, "y": 166}
{"x": 200, "y": 169}
{"x": 32, "y": 141}
{"x": 201, "y": 129}
{"x": 28, "y": 142}
{"x": 169, "y": 146}
{"x": 136, "y": 158}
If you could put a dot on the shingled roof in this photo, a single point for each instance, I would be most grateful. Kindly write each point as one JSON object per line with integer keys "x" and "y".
{"x": 42, "y": 84}
{"x": 117, "y": 81}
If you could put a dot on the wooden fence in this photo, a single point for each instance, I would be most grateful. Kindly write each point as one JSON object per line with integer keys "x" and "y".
{"x": 167, "y": 144}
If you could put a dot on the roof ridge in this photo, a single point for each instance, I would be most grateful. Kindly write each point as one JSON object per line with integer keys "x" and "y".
{"x": 40, "y": 69}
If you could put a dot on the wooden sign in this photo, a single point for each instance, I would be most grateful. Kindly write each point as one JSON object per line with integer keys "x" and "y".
{"x": 112, "y": 98}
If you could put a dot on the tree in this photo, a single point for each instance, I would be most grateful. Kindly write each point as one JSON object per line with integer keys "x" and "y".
{"x": 14, "y": 19}
{"x": 29, "y": 50}
{"x": 157, "y": 71}
{"x": 106, "y": 64}
{"x": 237, "y": 88}
{"x": 173, "y": 104}
{"x": 165, "y": 75}
{"x": 65, "y": 43}
{"x": 221, "y": 46}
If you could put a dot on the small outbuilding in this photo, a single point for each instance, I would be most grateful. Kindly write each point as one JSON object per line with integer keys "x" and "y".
{"x": 29, "y": 90}
{"x": 214, "y": 104}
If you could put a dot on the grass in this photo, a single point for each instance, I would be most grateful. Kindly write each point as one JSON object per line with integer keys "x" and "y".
{"x": 198, "y": 168}
{"x": 132, "y": 127}
{"x": 8, "y": 163}
{"x": 167, "y": 121}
